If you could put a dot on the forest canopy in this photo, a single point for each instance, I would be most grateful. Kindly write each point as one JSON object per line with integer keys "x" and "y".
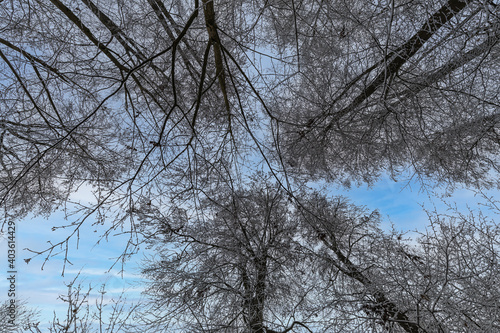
{"x": 200, "y": 124}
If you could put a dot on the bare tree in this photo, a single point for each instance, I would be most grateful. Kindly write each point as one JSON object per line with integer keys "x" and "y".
{"x": 161, "y": 104}
{"x": 233, "y": 266}
{"x": 395, "y": 88}
{"x": 444, "y": 281}
{"x": 17, "y": 317}
{"x": 253, "y": 260}
{"x": 145, "y": 96}
{"x": 89, "y": 313}
{"x": 109, "y": 94}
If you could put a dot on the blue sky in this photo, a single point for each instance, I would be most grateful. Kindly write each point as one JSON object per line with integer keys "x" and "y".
{"x": 42, "y": 287}
{"x": 399, "y": 203}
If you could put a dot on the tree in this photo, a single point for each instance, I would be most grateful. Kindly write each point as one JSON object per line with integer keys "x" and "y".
{"x": 251, "y": 260}
{"x": 232, "y": 266}
{"x": 400, "y": 87}
{"x": 16, "y": 318}
{"x": 146, "y": 95}
{"x": 444, "y": 281}
{"x": 160, "y": 104}
{"x": 450, "y": 282}
{"x": 89, "y": 313}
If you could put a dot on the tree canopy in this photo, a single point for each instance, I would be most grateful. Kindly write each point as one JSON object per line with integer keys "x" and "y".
{"x": 161, "y": 94}
{"x": 168, "y": 109}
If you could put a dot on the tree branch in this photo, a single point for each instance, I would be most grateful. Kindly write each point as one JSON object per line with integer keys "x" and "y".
{"x": 402, "y": 54}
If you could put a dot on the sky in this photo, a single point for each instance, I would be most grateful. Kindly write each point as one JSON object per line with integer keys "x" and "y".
{"x": 401, "y": 204}
{"x": 41, "y": 283}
